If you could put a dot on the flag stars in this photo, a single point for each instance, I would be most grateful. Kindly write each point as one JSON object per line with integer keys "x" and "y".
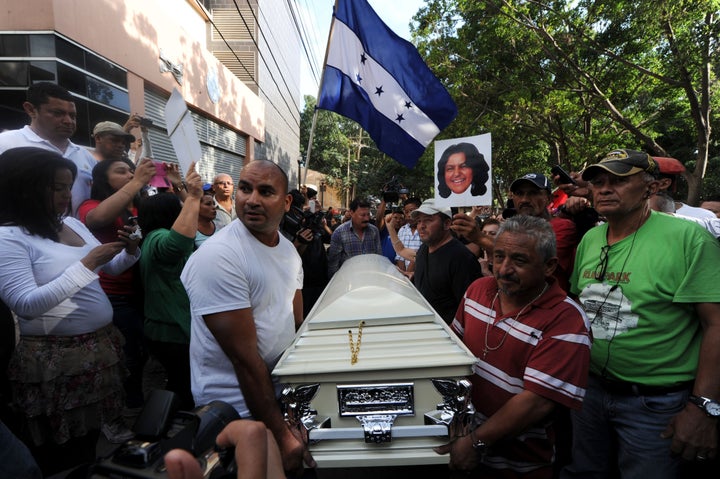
{"x": 408, "y": 104}
{"x": 399, "y": 118}
{"x": 358, "y": 78}
{"x": 379, "y": 90}
{"x": 363, "y": 58}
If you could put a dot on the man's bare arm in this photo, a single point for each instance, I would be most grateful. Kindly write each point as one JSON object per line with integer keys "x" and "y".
{"x": 236, "y": 334}
{"x": 693, "y": 432}
{"x": 520, "y": 412}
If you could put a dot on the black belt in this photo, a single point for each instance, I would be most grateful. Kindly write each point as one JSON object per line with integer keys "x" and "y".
{"x": 633, "y": 389}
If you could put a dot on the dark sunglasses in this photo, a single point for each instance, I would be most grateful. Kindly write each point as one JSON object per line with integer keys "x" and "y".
{"x": 601, "y": 268}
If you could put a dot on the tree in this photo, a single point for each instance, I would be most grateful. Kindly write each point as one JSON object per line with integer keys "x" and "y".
{"x": 565, "y": 81}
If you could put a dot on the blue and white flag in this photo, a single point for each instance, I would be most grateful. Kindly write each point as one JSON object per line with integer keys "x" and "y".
{"x": 379, "y": 80}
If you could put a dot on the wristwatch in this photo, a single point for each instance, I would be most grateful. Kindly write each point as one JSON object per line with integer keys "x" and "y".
{"x": 710, "y": 406}
{"x": 181, "y": 186}
{"x": 478, "y": 444}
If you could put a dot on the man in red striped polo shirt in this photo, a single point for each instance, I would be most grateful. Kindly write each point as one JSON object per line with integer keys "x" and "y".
{"x": 532, "y": 346}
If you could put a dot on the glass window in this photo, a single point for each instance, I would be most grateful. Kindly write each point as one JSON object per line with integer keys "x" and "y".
{"x": 98, "y": 113}
{"x": 12, "y": 115}
{"x": 69, "y": 52}
{"x": 26, "y": 73}
{"x": 14, "y": 46}
{"x": 105, "y": 70}
{"x": 43, "y": 71}
{"x": 108, "y": 95}
{"x": 83, "y": 131}
{"x": 72, "y": 79}
{"x": 14, "y": 73}
{"x": 42, "y": 45}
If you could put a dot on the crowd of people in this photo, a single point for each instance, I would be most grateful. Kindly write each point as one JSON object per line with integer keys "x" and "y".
{"x": 594, "y": 329}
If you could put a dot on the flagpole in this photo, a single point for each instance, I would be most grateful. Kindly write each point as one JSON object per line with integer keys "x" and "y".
{"x": 317, "y": 98}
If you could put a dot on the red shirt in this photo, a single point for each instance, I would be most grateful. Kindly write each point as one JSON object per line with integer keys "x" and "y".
{"x": 121, "y": 284}
{"x": 546, "y": 351}
{"x": 566, "y": 238}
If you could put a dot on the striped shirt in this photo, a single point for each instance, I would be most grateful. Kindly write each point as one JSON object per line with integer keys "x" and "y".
{"x": 546, "y": 350}
{"x": 409, "y": 240}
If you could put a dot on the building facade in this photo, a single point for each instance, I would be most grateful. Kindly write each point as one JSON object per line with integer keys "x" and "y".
{"x": 126, "y": 57}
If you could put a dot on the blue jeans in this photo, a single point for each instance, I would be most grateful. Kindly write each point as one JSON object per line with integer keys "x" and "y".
{"x": 15, "y": 457}
{"x": 615, "y": 432}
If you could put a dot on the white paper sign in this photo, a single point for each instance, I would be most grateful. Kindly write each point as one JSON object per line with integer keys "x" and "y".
{"x": 463, "y": 171}
{"x": 181, "y": 130}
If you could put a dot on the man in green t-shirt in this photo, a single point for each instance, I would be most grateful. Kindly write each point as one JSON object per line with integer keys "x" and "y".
{"x": 647, "y": 282}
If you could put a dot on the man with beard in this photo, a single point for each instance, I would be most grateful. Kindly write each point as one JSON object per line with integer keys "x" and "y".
{"x": 533, "y": 348}
{"x": 53, "y": 120}
{"x": 355, "y": 237}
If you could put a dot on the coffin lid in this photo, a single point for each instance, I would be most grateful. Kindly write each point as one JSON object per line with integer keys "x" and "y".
{"x": 369, "y": 288}
{"x": 401, "y": 331}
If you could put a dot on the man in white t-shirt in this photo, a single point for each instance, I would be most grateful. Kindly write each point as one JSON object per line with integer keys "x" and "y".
{"x": 53, "y": 120}
{"x": 244, "y": 286}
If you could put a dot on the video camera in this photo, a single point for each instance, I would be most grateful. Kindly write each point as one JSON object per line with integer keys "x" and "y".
{"x": 162, "y": 427}
{"x": 392, "y": 190}
{"x": 297, "y": 219}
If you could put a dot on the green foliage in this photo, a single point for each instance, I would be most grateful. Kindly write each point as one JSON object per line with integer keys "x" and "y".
{"x": 565, "y": 81}
{"x": 555, "y": 82}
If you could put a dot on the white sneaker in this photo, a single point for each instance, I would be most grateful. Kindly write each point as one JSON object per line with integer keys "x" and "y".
{"x": 117, "y": 432}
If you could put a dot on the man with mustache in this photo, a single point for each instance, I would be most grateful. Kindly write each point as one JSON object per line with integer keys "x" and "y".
{"x": 53, "y": 120}
{"x": 355, "y": 237}
{"x": 533, "y": 348}
{"x": 444, "y": 267}
{"x": 532, "y": 195}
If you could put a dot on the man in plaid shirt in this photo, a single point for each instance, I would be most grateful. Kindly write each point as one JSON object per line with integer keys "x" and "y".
{"x": 355, "y": 237}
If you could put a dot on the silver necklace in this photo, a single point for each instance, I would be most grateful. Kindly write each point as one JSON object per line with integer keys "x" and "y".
{"x": 487, "y": 347}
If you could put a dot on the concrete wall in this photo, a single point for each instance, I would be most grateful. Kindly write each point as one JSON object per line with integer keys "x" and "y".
{"x": 131, "y": 34}
{"x": 282, "y": 133}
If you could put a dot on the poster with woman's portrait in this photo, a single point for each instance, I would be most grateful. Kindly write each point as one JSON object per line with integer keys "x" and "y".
{"x": 463, "y": 170}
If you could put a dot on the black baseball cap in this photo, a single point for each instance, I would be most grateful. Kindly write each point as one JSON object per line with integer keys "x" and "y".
{"x": 536, "y": 179}
{"x": 622, "y": 163}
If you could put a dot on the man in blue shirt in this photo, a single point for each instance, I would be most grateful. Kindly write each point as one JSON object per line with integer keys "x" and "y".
{"x": 355, "y": 237}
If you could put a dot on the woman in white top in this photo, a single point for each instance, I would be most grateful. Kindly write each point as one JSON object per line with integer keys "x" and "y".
{"x": 66, "y": 371}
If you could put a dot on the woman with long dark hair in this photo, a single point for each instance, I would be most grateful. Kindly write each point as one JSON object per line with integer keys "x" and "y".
{"x": 462, "y": 166}
{"x": 112, "y": 205}
{"x": 206, "y": 216}
{"x": 66, "y": 371}
{"x": 170, "y": 228}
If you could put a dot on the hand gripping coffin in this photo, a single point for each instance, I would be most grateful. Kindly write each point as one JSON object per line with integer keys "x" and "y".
{"x": 374, "y": 376}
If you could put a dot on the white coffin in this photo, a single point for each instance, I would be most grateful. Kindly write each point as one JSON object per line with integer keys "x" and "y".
{"x": 404, "y": 345}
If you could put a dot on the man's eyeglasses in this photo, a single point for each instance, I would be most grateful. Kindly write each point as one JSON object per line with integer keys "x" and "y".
{"x": 601, "y": 268}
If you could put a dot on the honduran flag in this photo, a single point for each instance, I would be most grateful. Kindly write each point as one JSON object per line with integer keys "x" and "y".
{"x": 379, "y": 80}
